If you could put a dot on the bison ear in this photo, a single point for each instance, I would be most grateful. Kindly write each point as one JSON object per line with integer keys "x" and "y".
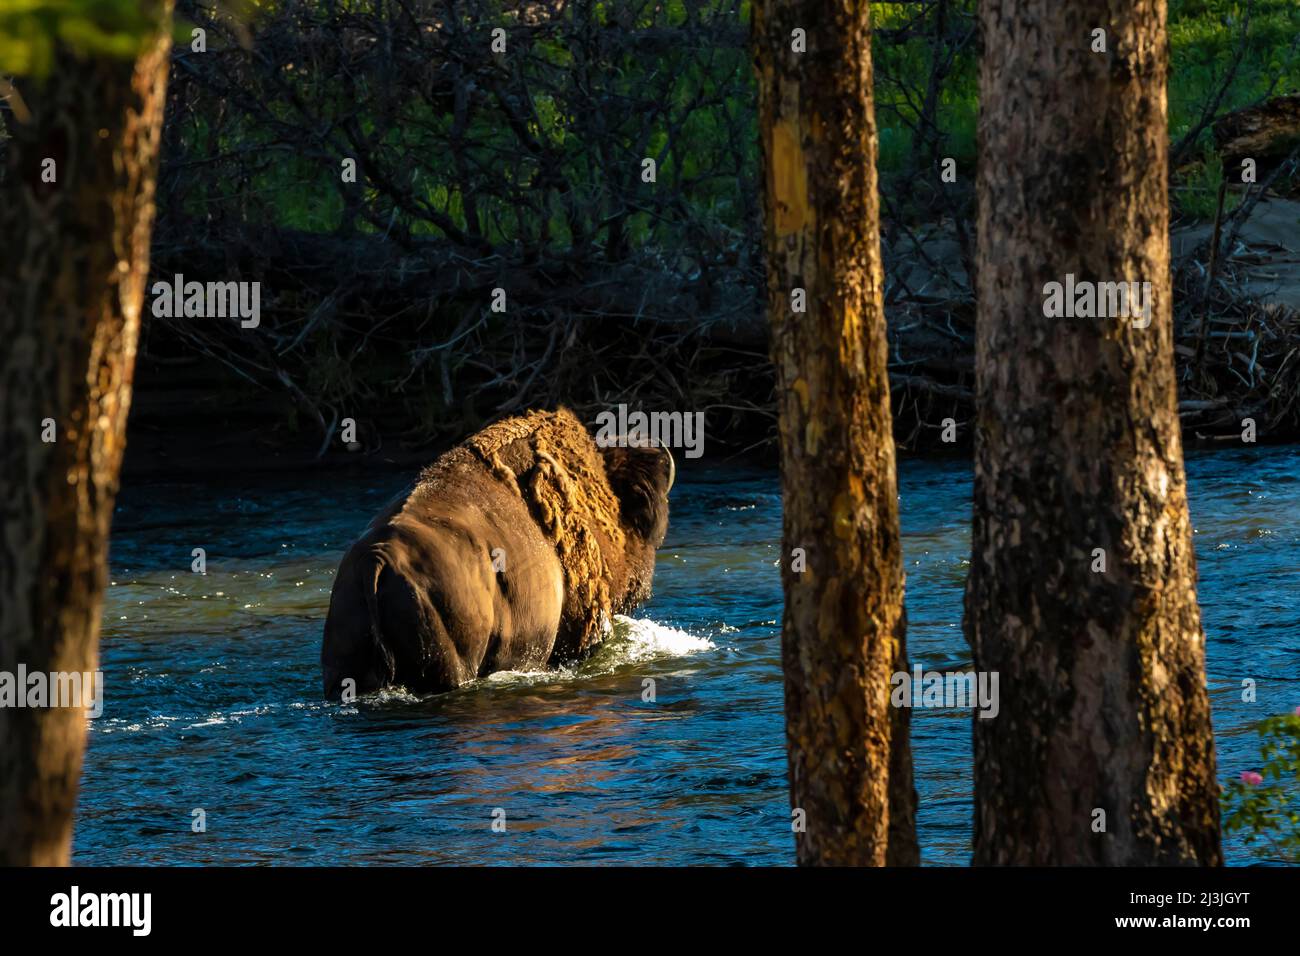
{"x": 640, "y": 479}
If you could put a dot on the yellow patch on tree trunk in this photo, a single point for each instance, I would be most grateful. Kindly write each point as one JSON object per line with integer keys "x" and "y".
{"x": 800, "y": 388}
{"x": 789, "y": 179}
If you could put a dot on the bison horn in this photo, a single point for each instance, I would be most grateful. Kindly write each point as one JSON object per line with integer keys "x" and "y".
{"x": 672, "y": 469}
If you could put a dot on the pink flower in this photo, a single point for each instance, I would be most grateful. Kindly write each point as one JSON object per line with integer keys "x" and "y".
{"x": 1251, "y": 778}
{"x": 1297, "y": 711}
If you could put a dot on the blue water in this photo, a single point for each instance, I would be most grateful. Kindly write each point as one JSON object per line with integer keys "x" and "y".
{"x": 213, "y": 681}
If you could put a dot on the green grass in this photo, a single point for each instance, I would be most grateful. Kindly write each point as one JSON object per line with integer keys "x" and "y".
{"x": 1203, "y": 35}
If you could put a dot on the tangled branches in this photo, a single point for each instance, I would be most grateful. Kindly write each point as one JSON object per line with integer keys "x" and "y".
{"x": 513, "y": 215}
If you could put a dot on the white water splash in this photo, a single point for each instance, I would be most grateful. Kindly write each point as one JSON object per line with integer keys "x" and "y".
{"x": 633, "y": 641}
{"x": 639, "y": 639}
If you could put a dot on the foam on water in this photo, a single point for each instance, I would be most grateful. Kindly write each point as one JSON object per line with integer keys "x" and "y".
{"x": 639, "y": 639}
{"x": 633, "y": 641}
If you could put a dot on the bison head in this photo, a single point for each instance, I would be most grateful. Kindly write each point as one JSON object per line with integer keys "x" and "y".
{"x": 640, "y": 478}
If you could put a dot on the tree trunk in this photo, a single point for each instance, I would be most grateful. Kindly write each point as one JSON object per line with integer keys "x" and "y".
{"x": 843, "y": 631}
{"x": 1078, "y": 459}
{"x": 71, "y": 287}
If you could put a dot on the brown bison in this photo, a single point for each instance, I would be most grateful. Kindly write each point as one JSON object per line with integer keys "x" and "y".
{"x": 511, "y": 552}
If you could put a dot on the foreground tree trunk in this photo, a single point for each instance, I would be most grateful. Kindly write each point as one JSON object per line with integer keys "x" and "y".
{"x": 1082, "y": 588}
{"x": 71, "y": 285}
{"x": 843, "y": 632}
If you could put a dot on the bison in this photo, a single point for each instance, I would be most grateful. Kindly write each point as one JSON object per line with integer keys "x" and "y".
{"x": 511, "y": 552}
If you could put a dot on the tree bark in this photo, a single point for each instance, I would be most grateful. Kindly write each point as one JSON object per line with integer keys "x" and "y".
{"x": 843, "y": 630}
{"x": 71, "y": 287}
{"x": 1102, "y": 672}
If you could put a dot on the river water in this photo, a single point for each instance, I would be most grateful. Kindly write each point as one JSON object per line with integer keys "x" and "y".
{"x": 213, "y": 684}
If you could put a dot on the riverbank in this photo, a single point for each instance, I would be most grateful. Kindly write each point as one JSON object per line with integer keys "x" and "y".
{"x": 191, "y": 416}
{"x": 201, "y": 408}
{"x": 207, "y": 430}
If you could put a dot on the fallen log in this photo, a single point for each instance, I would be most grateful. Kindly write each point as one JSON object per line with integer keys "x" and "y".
{"x": 1265, "y": 132}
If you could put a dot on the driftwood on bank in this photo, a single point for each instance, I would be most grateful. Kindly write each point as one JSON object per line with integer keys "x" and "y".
{"x": 1264, "y": 132}
{"x": 391, "y": 276}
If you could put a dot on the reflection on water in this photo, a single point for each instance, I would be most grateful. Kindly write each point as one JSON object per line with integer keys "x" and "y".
{"x": 212, "y": 684}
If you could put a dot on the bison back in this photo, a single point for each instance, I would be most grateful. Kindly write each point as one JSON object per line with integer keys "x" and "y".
{"x": 453, "y": 586}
